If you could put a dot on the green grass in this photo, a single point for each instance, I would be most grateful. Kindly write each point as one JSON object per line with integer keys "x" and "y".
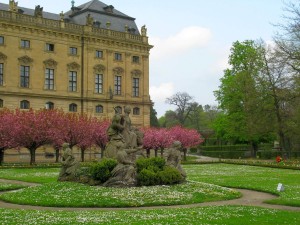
{"x": 250, "y": 177}
{"x": 222, "y": 215}
{"x": 9, "y": 187}
{"x": 35, "y": 175}
{"x": 67, "y": 194}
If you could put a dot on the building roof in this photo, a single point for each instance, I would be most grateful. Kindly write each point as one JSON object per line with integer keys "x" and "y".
{"x": 100, "y": 12}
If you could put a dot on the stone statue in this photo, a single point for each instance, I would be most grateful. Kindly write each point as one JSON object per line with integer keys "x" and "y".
{"x": 144, "y": 30}
{"x": 62, "y": 16}
{"x": 115, "y": 136}
{"x": 13, "y": 6}
{"x": 124, "y": 174}
{"x": 173, "y": 158}
{"x": 69, "y": 165}
{"x": 89, "y": 20}
{"x": 38, "y": 11}
{"x": 128, "y": 132}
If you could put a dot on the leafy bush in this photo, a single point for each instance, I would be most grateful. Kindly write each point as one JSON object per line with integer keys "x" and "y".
{"x": 102, "y": 171}
{"x": 153, "y": 171}
{"x": 155, "y": 164}
{"x": 147, "y": 177}
{"x": 169, "y": 175}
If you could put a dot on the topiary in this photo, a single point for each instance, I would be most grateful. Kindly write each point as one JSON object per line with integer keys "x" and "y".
{"x": 102, "y": 171}
{"x": 147, "y": 177}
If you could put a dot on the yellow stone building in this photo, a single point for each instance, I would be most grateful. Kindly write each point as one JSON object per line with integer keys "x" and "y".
{"x": 88, "y": 60}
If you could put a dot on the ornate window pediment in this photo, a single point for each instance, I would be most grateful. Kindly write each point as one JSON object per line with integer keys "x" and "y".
{"x": 2, "y": 56}
{"x": 73, "y": 66}
{"x": 118, "y": 70}
{"x": 50, "y": 63}
{"x": 25, "y": 59}
{"x": 136, "y": 73}
{"x": 99, "y": 68}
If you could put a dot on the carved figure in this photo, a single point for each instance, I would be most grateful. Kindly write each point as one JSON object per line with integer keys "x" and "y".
{"x": 124, "y": 174}
{"x": 89, "y": 20}
{"x": 38, "y": 11}
{"x": 69, "y": 165}
{"x": 173, "y": 157}
{"x": 144, "y": 30}
{"x": 13, "y": 6}
{"x": 62, "y": 16}
{"x": 128, "y": 133}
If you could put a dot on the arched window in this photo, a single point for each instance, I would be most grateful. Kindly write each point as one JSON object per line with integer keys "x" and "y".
{"x": 136, "y": 111}
{"x": 73, "y": 107}
{"x": 99, "y": 109}
{"x": 119, "y": 109}
{"x": 1, "y": 103}
{"x": 49, "y": 105}
{"x": 24, "y": 104}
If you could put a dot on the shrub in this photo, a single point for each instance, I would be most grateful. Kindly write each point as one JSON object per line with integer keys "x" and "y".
{"x": 147, "y": 177}
{"x": 155, "y": 164}
{"x": 102, "y": 171}
{"x": 169, "y": 175}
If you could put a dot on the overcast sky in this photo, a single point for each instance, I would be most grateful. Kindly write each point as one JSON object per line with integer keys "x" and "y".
{"x": 191, "y": 38}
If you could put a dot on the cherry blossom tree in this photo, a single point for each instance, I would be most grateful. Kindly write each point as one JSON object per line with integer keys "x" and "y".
{"x": 187, "y": 137}
{"x": 99, "y": 134}
{"x": 32, "y": 129}
{"x": 7, "y": 121}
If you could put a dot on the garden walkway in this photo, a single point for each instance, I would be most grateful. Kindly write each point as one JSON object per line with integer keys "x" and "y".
{"x": 249, "y": 198}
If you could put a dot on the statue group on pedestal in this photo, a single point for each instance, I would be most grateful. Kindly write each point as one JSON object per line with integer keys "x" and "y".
{"x": 125, "y": 145}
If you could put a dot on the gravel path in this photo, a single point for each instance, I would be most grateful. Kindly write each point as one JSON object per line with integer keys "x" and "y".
{"x": 249, "y": 198}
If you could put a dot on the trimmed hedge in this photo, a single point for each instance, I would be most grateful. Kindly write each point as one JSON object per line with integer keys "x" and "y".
{"x": 224, "y": 154}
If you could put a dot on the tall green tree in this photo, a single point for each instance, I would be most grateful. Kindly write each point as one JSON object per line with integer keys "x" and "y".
{"x": 244, "y": 103}
{"x": 153, "y": 117}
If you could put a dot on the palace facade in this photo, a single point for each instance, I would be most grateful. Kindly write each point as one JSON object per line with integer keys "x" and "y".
{"x": 90, "y": 59}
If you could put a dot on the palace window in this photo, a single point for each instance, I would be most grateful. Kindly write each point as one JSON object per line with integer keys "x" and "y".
{"x": 72, "y": 81}
{"x": 24, "y": 76}
{"x": 99, "y": 54}
{"x": 136, "y": 111}
{"x": 73, "y": 51}
{"x": 1, "y": 40}
{"x": 118, "y": 56}
{"x": 135, "y": 59}
{"x": 73, "y": 107}
{"x": 49, "y": 105}
{"x": 99, "y": 83}
{"x": 49, "y": 47}
{"x": 25, "y": 43}
{"x": 1, "y": 74}
{"x": 135, "y": 87}
{"x": 99, "y": 109}
{"x": 1, "y": 103}
{"x": 24, "y": 104}
{"x": 118, "y": 81}
{"x": 49, "y": 79}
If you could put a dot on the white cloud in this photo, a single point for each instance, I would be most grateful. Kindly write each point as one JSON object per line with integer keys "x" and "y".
{"x": 188, "y": 38}
{"x": 159, "y": 94}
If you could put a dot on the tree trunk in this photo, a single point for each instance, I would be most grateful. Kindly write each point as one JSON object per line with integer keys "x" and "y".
{"x": 254, "y": 148}
{"x": 1, "y": 156}
{"x": 148, "y": 153}
{"x": 155, "y": 152}
{"x": 32, "y": 156}
{"x": 162, "y": 152}
{"x": 56, "y": 154}
{"x": 184, "y": 154}
{"x": 102, "y": 153}
{"x": 82, "y": 155}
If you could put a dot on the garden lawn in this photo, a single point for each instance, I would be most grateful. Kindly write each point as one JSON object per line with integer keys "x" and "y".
{"x": 35, "y": 175}
{"x": 8, "y": 187}
{"x": 68, "y": 194}
{"x": 233, "y": 215}
{"x": 250, "y": 177}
